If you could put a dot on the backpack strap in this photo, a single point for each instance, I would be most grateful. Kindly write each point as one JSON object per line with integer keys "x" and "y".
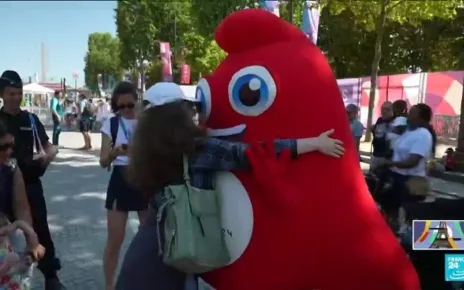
{"x": 37, "y": 145}
{"x": 114, "y": 127}
{"x": 186, "y": 168}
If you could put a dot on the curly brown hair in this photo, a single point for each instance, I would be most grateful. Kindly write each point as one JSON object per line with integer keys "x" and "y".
{"x": 162, "y": 136}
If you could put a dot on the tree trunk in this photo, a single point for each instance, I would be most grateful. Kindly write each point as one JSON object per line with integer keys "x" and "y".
{"x": 290, "y": 11}
{"x": 459, "y": 154}
{"x": 380, "y": 29}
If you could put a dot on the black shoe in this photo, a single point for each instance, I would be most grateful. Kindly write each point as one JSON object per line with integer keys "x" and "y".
{"x": 53, "y": 284}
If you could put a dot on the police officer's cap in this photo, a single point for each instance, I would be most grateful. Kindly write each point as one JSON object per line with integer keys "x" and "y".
{"x": 10, "y": 78}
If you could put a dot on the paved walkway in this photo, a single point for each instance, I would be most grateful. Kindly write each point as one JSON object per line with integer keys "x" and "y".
{"x": 75, "y": 188}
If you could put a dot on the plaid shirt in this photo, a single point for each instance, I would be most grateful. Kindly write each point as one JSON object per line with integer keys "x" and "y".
{"x": 219, "y": 155}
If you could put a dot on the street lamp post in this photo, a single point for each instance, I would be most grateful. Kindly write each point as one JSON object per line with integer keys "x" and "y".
{"x": 75, "y": 76}
{"x": 143, "y": 67}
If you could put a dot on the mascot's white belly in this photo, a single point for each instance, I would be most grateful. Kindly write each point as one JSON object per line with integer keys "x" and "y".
{"x": 237, "y": 213}
{"x": 237, "y": 217}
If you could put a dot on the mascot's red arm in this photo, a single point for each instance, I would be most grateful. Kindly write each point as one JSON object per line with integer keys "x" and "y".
{"x": 268, "y": 169}
{"x": 277, "y": 84}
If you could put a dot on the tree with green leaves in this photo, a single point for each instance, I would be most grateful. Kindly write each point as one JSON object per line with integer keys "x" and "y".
{"x": 156, "y": 21}
{"x": 137, "y": 32}
{"x": 102, "y": 58}
{"x": 202, "y": 54}
{"x": 208, "y": 14}
{"x": 375, "y": 16}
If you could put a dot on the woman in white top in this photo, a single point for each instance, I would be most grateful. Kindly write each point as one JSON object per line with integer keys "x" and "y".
{"x": 121, "y": 197}
{"x": 411, "y": 150}
{"x": 104, "y": 111}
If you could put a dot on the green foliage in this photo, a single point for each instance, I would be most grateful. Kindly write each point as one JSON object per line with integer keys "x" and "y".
{"x": 202, "y": 54}
{"x": 154, "y": 73}
{"x": 419, "y": 35}
{"x": 137, "y": 31}
{"x": 400, "y": 11}
{"x": 376, "y": 15}
{"x": 102, "y": 58}
{"x": 348, "y": 48}
{"x": 297, "y": 17}
{"x": 208, "y": 14}
{"x": 172, "y": 22}
{"x": 414, "y": 29}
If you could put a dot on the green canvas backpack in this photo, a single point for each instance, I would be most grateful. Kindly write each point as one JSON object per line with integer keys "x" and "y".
{"x": 193, "y": 239}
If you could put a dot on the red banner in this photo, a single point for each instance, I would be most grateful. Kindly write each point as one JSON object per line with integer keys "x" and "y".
{"x": 185, "y": 74}
{"x": 165, "y": 52}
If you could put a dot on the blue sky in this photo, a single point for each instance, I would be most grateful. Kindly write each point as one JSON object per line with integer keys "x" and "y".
{"x": 62, "y": 25}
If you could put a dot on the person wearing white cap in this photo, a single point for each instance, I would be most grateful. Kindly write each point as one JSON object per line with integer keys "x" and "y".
{"x": 167, "y": 130}
{"x": 163, "y": 93}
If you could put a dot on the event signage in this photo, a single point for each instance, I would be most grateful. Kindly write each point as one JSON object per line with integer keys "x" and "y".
{"x": 165, "y": 52}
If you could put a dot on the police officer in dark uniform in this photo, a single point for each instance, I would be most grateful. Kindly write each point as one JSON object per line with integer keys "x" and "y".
{"x": 33, "y": 153}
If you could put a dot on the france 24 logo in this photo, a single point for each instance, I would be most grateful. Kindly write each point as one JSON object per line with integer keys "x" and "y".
{"x": 454, "y": 267}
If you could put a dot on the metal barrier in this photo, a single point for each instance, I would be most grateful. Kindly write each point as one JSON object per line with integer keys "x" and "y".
{"x": 44, "y": 114}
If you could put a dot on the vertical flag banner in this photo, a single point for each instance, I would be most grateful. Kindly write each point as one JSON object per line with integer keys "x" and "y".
{"x": 310, "y": 24}
{"x": 165, "y": 52}
{"x": 271, "y": 6}
{"x": 185, "y": 74}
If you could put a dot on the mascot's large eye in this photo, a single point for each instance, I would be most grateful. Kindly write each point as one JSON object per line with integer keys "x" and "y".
{"x": 203, "y": 95}
{"x": 252, "y": 90}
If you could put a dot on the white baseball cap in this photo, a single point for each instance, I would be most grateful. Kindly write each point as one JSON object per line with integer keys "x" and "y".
{"x": 400, "y": 121}
{"x": 163, "y": 93}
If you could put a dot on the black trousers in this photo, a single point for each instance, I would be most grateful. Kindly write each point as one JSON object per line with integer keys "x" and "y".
{"x": 49, "y": 264}
{"x": 398, "y": 193}
{"x": 56, "y": 132}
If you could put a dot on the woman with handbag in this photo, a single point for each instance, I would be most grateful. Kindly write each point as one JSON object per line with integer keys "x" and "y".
{"x": 408, "y": 167}
{"x": 170, "y": 148}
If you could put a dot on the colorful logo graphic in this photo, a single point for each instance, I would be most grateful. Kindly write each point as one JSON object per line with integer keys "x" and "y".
{"x": 454, "y": 267}
{"x": 438, "y": 235}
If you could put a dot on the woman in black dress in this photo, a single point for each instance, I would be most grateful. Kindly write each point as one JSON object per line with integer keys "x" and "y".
{"x": 121, "y": 198}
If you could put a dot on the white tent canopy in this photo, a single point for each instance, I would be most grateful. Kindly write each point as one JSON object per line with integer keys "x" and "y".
{"x": 36, "y": 89}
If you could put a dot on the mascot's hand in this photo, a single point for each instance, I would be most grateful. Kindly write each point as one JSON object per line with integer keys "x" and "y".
{"x": 268, "y": 169}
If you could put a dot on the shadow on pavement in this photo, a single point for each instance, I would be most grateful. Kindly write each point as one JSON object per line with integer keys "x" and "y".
{"x": 75, "y": 190}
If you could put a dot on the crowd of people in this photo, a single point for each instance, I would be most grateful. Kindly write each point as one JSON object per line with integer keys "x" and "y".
{"x": 25, "y": 153}
{"x": 82, "y": 114}
{"x": 170, "y": 127}
{"x": 403, "y": 144}
{"x": 165, "y": 145}
{"x": 402, "y": 158}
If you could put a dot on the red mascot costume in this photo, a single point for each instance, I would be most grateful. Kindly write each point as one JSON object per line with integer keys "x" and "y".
{"x": 308, "y": 223}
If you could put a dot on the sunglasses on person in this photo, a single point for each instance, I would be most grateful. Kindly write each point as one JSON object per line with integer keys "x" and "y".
{"x": 6, "y": 146}
{"x": 126, "y": 106}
